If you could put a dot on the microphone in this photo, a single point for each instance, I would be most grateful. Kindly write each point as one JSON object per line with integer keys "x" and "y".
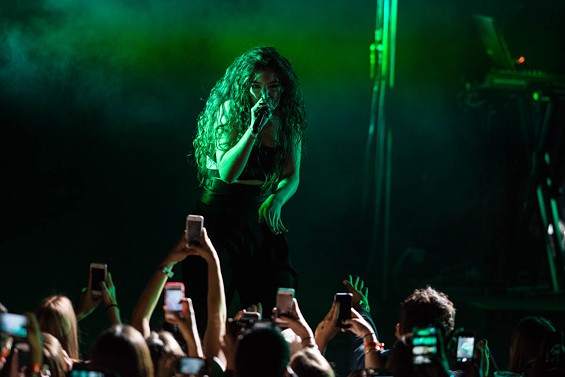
{"x": 263, "y": 114}
{"x": 260, "y": 120}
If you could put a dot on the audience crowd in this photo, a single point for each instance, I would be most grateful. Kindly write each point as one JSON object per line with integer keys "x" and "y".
{"x": 257, "y": 344}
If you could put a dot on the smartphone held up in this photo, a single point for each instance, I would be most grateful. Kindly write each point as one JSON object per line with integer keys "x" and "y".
{"x": 191, "y": 366}
{"x": 344, "y": 300}
{"x": 14, "y": 325}
{"x": 424, "y": 345}
{"x": 465, "y": 347}
{"x": 98, "y": 274}
{"x": 194, "y": 224}
{"x": 284, "y": 301}
{"x": 174, "y": 294}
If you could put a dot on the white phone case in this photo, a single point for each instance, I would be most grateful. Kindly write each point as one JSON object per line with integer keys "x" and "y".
{"x": 97, "y": 276}
{"x": 194, "y": 224}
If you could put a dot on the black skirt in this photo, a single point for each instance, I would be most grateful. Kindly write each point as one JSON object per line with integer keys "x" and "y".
{"x": 255, "y": 262}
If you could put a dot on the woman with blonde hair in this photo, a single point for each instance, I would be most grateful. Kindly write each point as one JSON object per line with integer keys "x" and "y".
{"x": 56, "y": 316}
{"x": 54, "y": 356}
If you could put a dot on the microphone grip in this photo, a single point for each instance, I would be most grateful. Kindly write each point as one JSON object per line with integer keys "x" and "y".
{"x": 260, "y": 120}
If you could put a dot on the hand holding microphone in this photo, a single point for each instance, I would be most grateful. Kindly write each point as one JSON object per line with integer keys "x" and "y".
{"x": 260, "y": 114}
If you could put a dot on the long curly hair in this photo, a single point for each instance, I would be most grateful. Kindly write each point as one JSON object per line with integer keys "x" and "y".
{"x": 234, "y": 88}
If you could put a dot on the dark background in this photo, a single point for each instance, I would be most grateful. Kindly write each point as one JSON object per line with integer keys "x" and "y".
{"x": 98, "y": 106}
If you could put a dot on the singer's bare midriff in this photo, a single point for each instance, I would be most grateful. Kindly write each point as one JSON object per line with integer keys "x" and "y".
{"x": 250, "y": 182}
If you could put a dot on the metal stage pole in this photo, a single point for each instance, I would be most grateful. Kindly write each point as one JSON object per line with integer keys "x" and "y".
{"x": 377, "y": 164}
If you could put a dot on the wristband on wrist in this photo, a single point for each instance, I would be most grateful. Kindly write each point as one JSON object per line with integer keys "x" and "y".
{"x": 374, "y": 346}
{"x": 36, "y": 368}
{"x": 112, "y": 306}
{"x": 167, "y": 271}
{"x": 308, "y": 342}
{"x": 369, "y": 334}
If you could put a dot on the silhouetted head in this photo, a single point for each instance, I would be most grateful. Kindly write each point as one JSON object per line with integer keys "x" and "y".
{"x": 164, "y": 350}
{"x": 309, "y": 362}
{"x": 122, "y": 350}
{"x": 528, "y": 337}
{"x": 262, "y": 352}
{"x": 427, "y": 307}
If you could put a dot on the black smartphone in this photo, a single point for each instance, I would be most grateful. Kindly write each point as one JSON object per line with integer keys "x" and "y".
{"x": 194, "y": 224}
{"x": 191, "y": 366}
{"x": 424, "y": 345}
{"x": 24, "y": 354}
{"x": 13, "y": 325}
{"x": 98, "y": 272}
{"x": 250, "y": 318}
{"x": 465, "y": 347}
{"x": 344, "y": 300}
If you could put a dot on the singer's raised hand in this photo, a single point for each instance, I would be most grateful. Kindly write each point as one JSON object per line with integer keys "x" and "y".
{"x": 261, "y": 112}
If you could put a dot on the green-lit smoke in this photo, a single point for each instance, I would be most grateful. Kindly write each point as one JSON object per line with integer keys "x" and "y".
{"x": 120, "y": 61}
{"x": 101, "y": 59}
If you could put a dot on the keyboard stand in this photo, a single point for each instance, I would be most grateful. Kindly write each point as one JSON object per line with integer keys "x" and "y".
{"x": 547, "y": 191}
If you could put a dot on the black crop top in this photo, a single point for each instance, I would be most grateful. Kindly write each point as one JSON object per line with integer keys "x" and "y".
{"x": 260, "y": 163}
